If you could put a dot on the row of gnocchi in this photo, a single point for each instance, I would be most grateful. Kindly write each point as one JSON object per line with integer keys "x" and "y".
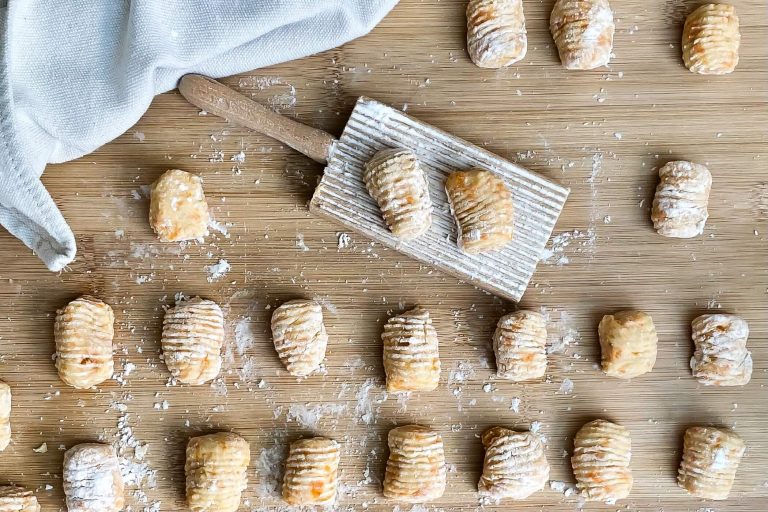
{"x": 515, "y": 467}
{"x": 583, "y": 33}
{"x": 193, "y": 336}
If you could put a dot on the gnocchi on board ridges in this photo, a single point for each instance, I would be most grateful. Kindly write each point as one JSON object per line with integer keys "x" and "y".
{"x": 411, "y": 355}
{"x": 299, "y": 336}
{"x": 311, "y": 472}
{"x": 496, "y": 35}
{"x": 216, "y": 472}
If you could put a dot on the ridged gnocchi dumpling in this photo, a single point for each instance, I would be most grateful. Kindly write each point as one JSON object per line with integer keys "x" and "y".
{"x": 520, "y": 343}
{"x": 416, "y": 470}
{"x": 83, "y": 331}
{"x": 193, "y": 334}
{"x": 396, "y": 181}
{"x": 680, "y": 204}
{"x": 515, "y": 464}
{"x": 216, "y": 472}
{"x": 311, "y": 472}
{"x": 177, "y": 207}
{"x": 299, "y": 335}
{"x": 711, "y": 40}
{"x": 583, "y": 32}
{"x": 411, "y": 356}
{"x": 92, "y": 479}
{"x": 483, "y": 208}
{"x": 721, "y": 357}
{"x": 601, "y": 455}
{"x": 17, "y": 499}
{"x": 628, "y": 343}
{"x": 711, "y": 457}
{"x": 496, "y": 35}
{"x": 5, "y": 417}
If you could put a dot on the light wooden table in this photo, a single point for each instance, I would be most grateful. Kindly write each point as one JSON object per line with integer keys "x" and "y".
{"x": 602, "y": 133}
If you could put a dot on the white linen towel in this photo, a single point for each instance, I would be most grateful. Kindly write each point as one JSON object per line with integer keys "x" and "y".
{"x": 75, "y": 74}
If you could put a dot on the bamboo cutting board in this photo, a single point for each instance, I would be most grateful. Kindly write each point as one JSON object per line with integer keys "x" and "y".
{"x": 600, "y": 133}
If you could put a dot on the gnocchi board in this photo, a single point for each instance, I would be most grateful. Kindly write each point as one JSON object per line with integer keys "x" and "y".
{"x": 601, "y": 133}
{"x": 343, "y": 197}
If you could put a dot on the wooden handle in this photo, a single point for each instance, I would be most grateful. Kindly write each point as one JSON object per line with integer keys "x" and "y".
{"x": 218, "y": 99}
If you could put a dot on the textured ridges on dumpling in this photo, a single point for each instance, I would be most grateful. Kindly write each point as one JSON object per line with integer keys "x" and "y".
{"x": 83, "y": 330}
{"x": 299, "y": 335}
{"x": 17, "y": 499}
{"x": 411, "y": 356}
{"x": 177, "y": 209}
{"x": 496, "y": 35}
{"x": 396, "y": 181}
{"x": 711, "y": 457}
{"x": 628, "y": 344}
{"x": 721, "y": 357}
{"x": 311, "y": 472}
{"x": 416, "y": 470}
{"x": 583, "y": 32}
{"x": 601, "y": 456}
{"x": 711, "y": 40}
{"x": 215, "y": 470}
{"x": 193, "y": 334}
{"x": 520, "y": 345}
{"x": 515, "y": 464}
{"x": 92, "y": 479}
{"x": 483, "y": 208}
{"x": 680, "y": 204}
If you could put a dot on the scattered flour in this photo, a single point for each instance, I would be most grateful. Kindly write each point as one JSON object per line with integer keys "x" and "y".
{"x": 560, "y": 331}
{"x": 566, "y": 387}
{"x": 364, "y": 409}
{"x": 217, "y": 270}
{"x": 300, "y": 244}
{"x": 244, "y": 337}
{"x": 310, "y": 416}
{"x": 344, "y": 240}
{"x": 554, "y": 252}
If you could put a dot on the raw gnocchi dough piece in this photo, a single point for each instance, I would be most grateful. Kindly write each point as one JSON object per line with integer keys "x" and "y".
{"x": 416, "y": 466}
{"x": 680, "y": 204}
{"x": 311, "y": 472}
{"x": 177, "y": 209}
{"x": 92, "y": 479}
{"x": 496, "y": 35}
{"x": 216, "y": 472}
{"x": 83, "y": 331}
{"x": 411, "y": 357}
{"x": 583, "y": 32}
{"x": 483, "y": 208}
{"x": 628, "y": 343}
{"x": 721, "y": 357}
{"x": 193, "y": 334}
{"x": 394, "y": 178}
{"x": 520, "y": 343}
{"x": 601, "y": 455}
{"x": 17, "y": 499}
{"x": 711, "y": 458}
{"x": 515, "y": 464}
{"x": 298, "y": 333}
{"x": 5, "y": 417}
{"x": 711, "y": 40}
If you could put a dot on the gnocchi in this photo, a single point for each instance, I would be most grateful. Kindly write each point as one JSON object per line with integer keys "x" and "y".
{"x": 216, "y": 472}
{"x": 177, "y": 209}
{"x": 515, "y": 464}
{"x": 311, "y": 472}
{"x": 711, "y": 457}
{"x": 583, "y": 32}
{"x": 395, "y": 180}
{"x": 193, "y": 334}
{"x": 299, "y": 335}
{"x": 680, "y": 204}
{"x": 83, "y": 331}
{"x": 601, "y": 456}
{"x": 483, "y": 208}
{"x": 721, "y": 357}
{"x": 411, "y": 357}
{"x": 17, "y": 499}
{"x": 628, "y": 343}
{"x": 92, "y": 479}
{"x": 5, "y": 416}
{"x": 415, "y": 470}
{"x": 711, "y": 40}
{"x": 496, "y": 35}
{"x": 520, "y": 344}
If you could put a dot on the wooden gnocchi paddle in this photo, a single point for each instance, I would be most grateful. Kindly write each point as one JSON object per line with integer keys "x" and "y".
{"x": 343, "y": 197}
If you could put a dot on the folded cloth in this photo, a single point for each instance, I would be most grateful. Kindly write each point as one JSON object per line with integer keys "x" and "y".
{"x": 75, "y": 74}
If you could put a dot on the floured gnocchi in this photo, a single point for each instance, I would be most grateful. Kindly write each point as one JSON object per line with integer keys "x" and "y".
{"x": 216, "y": 472}
{"x": 680, "y": 204}
{"x": 17, "y": 499}
{"x": 520, "y": 343}
{"x": 711, "y": 40}
{"x": 496, "y": 35}
{"x": 721, "y": 357}
{"x": 411, "y": 357}
{"x": 311, "y": 472}
{"x": 299, "y": 335}
{"x": 583, "y": 32}
{"x": 711, "y": 457}
{"x": 5, "y": 417}
{"x": 178, "y": 210}
{"x": 416, "y": 470}
{"x": 515, "y": 464}
{"x": 601, "y": 454}
{"x": 92, "y": 479}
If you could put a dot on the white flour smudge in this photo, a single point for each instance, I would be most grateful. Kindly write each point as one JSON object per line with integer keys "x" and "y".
{"x": 343, "y": 240}
{"x": 300, "y": 244}
{"x": 217, "y": 270}
{"x": 554, "y": 252}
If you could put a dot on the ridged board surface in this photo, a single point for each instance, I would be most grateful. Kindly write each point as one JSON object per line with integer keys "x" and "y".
{"x": 342, "y": 196}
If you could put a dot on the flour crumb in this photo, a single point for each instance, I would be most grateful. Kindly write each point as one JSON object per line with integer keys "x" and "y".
{"x": 566, "y": 387}
{"x": 43, "y": 448}
{"x": 344, "y": 240}
{"x": 514, "y": 406}
{"x": 217, "y": 270}
{"x": 300, "y": 244}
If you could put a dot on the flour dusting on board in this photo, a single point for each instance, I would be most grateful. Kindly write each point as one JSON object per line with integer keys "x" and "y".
{"x": 217, "y": 270}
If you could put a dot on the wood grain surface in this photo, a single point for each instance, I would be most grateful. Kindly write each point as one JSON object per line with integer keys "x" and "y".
{"x": 601, "y": 133}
